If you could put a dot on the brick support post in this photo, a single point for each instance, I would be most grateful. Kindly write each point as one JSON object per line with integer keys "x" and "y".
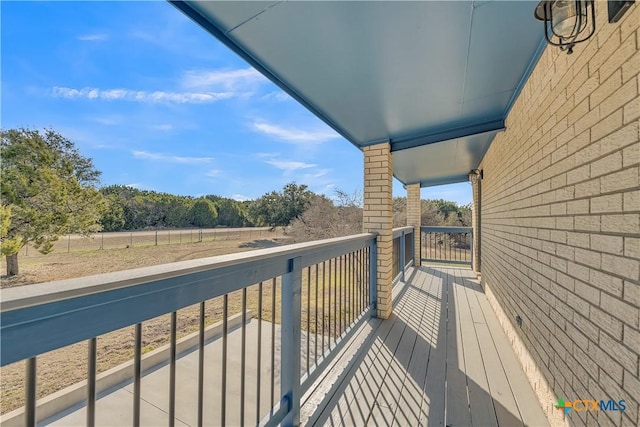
{"x": 378, "y": 217}
{"x": 413, "y": 218}
{"x": 476, "y": 188}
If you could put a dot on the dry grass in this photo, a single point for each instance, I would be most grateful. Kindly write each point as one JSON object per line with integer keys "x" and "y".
{"x": 63, "y": 367}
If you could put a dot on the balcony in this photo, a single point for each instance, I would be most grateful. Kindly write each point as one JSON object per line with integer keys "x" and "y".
{"x": 312, "y": 348}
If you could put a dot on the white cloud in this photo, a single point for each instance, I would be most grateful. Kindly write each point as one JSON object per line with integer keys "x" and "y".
{"x": 212, "y": 173}
{"x": 230, "y": 80}
{"x": 293, "y": 134}
{"x": 93, "y": 37}
{"x": 170, "y": 158}
{"x": 319, "y": 174}
{"x": 276, "y": 96}
{"x": 156, "y": 97}
{"x": 240, "y": 197}
{"x": 135, "y": 185}
{"x": 289, "y": 166}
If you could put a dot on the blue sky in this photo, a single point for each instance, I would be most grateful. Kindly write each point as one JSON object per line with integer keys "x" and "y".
{"x": 161, "y": 105}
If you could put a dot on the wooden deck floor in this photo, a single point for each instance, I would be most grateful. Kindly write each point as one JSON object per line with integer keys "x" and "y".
{"x": 441, "y": 360}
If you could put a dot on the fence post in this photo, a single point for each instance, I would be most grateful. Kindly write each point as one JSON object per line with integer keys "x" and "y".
{"x": 68, "y": 243}
{"x": 102, "y": 240}
{"x": 291, "y": 340}
{"x": 156, "y": 237}
{"x": 373, "y": 276}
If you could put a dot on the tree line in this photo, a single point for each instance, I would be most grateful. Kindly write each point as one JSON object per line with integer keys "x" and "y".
{"x": 48, "y": 189}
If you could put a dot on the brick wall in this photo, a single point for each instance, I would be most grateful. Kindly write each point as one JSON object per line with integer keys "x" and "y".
{"x": 414, "y": 218}
{"x": 561, "y": 223}
{"x": 378, "y": 217}
{"x": 476, "y": 185}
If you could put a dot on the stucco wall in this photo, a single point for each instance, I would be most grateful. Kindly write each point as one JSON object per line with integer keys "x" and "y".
{"x": 560, "y": 224}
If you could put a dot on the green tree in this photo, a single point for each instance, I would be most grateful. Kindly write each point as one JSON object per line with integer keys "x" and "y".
{"x": 204, "y": 213}
{"x": 280, "y": 208}
{"x": 113, "y": 217}
{"x": 231, "y": 213}
{"x": 47, "y": 190}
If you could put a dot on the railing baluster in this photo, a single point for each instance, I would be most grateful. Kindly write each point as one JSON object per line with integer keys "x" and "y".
{"x": 348, "y": 292}
{"x": 243, "y": 353}
{"x": 329, "y": 298}
{"x": 137, "y": 374}
{"x": 30, "y": 393}
{"x": 324, "y": 278}
{"x": 373, "y": 276}
{"x": 308, "y": 317}
{"x": 201, "y": 365}
{"x": 273, "y": 338}
{"x": 258, "y": 369}
{"x": 172, "y": 370}
{"x": 345, "y": 290}
{"x": 91, "y": 383}
{"x": 315, "y": 341}
{"x": 365, "y": 284}
{"x": 340, "y": 299}
{"x": 402, "y": 246}
{"x": 353, "y": 303}
{"x": 362, "y": 281}
{"x": 225, "y": 331}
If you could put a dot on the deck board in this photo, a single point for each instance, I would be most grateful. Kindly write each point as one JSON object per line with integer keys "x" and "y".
{"x": 532, "y": 415}
{"x": 409, "y": 411}
{"x": 441, "y": 359}
{"x": 457, "y": 411}
{"x": 481, "y": 407}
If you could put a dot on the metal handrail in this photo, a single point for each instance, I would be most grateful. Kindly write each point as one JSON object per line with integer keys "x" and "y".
{"x": 57, "y": 314}
{"x": 436, "y": 246}
{"x": 439, "y": 229}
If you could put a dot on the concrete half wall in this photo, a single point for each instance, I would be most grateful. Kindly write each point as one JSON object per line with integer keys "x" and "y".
{"x": 560, "y": 224}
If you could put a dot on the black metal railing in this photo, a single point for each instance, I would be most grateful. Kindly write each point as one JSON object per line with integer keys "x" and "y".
{"x": 306, "y": 299}
{"x": 451, "y": 245}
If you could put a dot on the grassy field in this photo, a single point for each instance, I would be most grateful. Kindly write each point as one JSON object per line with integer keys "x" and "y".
{"x": 67, "y": 366}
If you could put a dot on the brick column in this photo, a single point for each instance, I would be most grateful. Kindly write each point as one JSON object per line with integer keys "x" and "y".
{"x": 476, "y": 187}
{"x": 414, "y": 217}
{"x": 378, "y": 217}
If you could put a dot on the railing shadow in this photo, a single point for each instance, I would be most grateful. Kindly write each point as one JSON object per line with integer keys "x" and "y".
{"x": 388, "y": 383}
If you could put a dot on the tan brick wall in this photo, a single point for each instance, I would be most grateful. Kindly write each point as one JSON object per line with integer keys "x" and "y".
{"x": 561, "y": 223}
{"x": 378, "y": 217}
{"x": 414, "y": 218}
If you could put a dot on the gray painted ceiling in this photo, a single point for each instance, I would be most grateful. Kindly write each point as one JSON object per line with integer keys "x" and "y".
{"x": 434, "y": 78}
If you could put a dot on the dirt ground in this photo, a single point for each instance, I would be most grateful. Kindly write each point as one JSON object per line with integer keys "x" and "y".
{"x": 66, "y": 366}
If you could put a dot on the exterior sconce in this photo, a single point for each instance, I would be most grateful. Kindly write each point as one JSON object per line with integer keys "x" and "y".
{"x": 567, "y": 22}
{"x": 477, "y": 172}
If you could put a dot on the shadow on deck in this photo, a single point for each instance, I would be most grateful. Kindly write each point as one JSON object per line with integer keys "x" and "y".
{"x": 442, "y": 359}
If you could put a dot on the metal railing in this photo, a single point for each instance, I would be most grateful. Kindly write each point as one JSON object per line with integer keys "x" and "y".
{"x": 402, "y": 251}
{"x": 447, "y": 245}
{"x": 317, "y": 292}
